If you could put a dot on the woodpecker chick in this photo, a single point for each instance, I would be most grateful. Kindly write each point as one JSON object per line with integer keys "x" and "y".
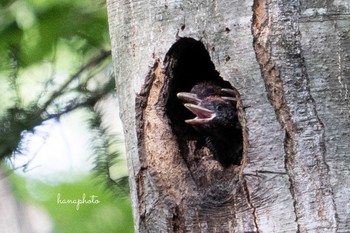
{"x": 213, "y": 112}
{"x": 217, "y": 120}
{"x": 204, "y": 89}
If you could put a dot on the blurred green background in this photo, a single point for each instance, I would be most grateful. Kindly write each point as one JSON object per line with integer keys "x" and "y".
{"x": 59, "y": 132}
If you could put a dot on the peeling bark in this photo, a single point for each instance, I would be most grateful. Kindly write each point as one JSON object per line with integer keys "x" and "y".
{"x": 193, "y": 192}
{"x": 289, "y": 61}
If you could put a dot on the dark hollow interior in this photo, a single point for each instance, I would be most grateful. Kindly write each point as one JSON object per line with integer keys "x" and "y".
{"x": 187, "y": 63}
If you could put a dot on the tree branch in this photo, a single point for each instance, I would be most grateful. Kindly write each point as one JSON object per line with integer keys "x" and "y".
{"x": 93, "y": 62}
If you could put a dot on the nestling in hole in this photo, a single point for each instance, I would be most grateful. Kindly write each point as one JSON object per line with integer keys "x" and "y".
{"x": 216, "y": 118}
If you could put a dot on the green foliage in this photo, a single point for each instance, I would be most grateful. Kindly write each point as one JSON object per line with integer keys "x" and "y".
{"x": 106, "y": 213}
{"x": 54, "y": 59}
{"x": 15, "y": 121}
{"x": 105, "y": 146}
{"x": 30, "y": 30}
{"x": 34, "y": 36}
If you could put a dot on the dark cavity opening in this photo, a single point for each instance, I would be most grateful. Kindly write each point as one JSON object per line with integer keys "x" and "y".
{"x": 187, "y": 64}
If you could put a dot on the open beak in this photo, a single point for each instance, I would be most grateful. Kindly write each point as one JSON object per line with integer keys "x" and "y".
{"x": 188, "y": 97}
{"x": 203, "y": 115}
{"x": 231, "y": 92}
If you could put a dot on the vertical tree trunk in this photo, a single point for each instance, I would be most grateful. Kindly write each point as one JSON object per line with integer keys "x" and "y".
{"x": 290, "y": 62}
{"x": 10, "y": 210}
{"x": 19, "y": 217}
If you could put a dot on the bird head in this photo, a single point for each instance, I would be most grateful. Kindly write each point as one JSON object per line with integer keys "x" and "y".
{"x": 216, "y": 118}
{"x": 212, "y": 112}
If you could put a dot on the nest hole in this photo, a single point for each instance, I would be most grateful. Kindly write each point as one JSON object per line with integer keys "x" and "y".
{"x": 188, "y": 63}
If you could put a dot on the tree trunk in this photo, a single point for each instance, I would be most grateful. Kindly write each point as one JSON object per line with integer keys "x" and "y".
{"x": 20, "y": 217}
{"x": 289, "y": 60}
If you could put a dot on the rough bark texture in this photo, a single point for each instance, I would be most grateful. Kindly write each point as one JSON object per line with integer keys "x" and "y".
{"x": 290, "y": 62}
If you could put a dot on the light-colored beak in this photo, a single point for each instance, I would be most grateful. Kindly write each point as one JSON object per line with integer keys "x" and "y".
{"x": 188, "y": 97}
{"x": 203, "y": 115}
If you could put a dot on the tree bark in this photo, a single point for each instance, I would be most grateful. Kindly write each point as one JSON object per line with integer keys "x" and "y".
{"x": 289, "y": 60}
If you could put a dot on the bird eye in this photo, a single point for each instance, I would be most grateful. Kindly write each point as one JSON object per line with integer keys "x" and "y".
{"x": 219, "y": 108}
